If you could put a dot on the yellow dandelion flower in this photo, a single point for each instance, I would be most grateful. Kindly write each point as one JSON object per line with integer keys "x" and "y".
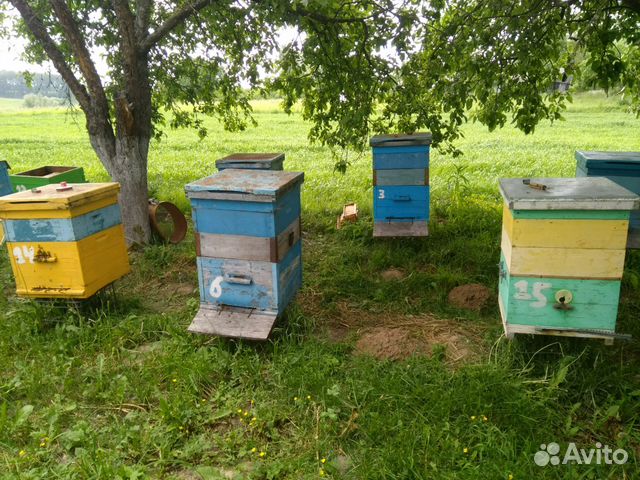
{"x": 252, "y": 402}
{"x": 510, "y": 477}
{"x": 465, "y": 450}
{"x": 295, "y": 399}
{"x": 174, "y": 380}
{"x": 308, "y": 397}
{"x": 43, "y": 444}
{"x": 181, "y": 427}
{"x": 324, "y": 460}
{"x": 239, "y": 410}
{"x": 254, "y": 450}
{"x": 321, "y": 472}
{"x": 484, "y": 418}
{"x": 473, "y": 417}
{"x": 204, "y": 400}
{"x": 262, "y": 454}
{"x": 22, "y": 453}
{"x": 246, "y": 414}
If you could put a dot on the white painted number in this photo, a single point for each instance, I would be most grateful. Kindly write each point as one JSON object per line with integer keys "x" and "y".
{"x": 21, "y": 188}
{"x": 537, "y": 293}
{"x": 381, "y": 194}
{"x": 216, "y": 287}
{"x": 522, "y": 292}
{"x": 23, "y": 254}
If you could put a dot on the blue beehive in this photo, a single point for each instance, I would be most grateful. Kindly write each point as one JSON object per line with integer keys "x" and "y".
{"x": 401, "y": 185}
{"x": 252, "y": 161}
{"x": 621, "y": 167}
{"x": 248, "y": 245}
{"x": 5, "y": 184}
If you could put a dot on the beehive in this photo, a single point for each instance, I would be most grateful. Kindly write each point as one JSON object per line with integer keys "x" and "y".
{"x": 248, "y": 249}
{"x": 5, "y": 184}
{"x": 621, "y": 167}
{"x": 47, "y": 175}
{"x": 252, "y": 161}
{"x": 65, "y": 241}
{"x": 563, "y": 252}
{"x": 401, "y": 185}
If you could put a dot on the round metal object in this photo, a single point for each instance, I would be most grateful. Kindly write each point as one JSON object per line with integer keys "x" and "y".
{"x": 564, "y": 294}
{"x": 168, "y": 221}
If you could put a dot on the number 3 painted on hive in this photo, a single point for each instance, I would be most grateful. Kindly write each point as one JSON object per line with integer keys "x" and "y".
{"x": 381, "y": 194}
{"x": 216, "y": 287}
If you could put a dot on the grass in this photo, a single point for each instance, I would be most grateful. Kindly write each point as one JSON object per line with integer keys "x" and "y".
{"x": 121, "y": 390}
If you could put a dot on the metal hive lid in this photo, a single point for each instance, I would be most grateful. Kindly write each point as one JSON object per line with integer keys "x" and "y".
{"x": 582, "y": 193}
{"x": 49, "y": 195}
{"x": 401, "y": 140}
{"x": 252, "y": 182}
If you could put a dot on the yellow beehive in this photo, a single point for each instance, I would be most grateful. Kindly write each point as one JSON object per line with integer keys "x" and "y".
{"x": 65, "y": 241}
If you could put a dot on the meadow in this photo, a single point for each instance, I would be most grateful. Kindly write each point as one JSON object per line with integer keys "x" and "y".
{"x": 120, "y": 389}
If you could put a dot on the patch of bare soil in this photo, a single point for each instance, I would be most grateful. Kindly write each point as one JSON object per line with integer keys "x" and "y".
{"x": 473, "y": 296}
{"x": 388, "y": 335}
{"x": 392, "y": 274}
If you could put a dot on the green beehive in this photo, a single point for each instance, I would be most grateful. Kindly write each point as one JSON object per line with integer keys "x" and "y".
{"x": 47, "y": 175}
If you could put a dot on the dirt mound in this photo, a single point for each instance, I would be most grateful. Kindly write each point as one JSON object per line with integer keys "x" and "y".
{"x": 473, "y": 296}
{"x": 392, "y": 274}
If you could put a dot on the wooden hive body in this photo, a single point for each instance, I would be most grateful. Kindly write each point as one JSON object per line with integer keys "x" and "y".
{"x": 621, "y": 167}
{"x": 5, "y": 183}
{"x": 562, "y": 255}
{"x": 252, "y": 161}
{"x": 65, "y": 244}
{"x": 248, "y": 241}
{"x": 47, "y": 175}
{"x": 401, "y": 185}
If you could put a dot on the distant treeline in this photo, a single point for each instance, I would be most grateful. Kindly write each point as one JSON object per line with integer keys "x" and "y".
{"x": 15, "y": 85}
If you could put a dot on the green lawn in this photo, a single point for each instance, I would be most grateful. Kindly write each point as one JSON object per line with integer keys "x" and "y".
{"x": 123, "y": 391}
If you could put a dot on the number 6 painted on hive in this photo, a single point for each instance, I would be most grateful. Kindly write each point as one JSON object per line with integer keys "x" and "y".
{"x": 216, "y": 287}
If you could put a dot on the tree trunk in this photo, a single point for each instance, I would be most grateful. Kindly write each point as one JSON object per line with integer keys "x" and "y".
{"x": 129, "y": 168}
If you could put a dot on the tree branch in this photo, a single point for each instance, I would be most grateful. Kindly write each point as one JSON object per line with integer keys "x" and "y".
{"x": 80, "y": 51}
{"x": 143, "y": 12}
{"x": 37, "y": 28}
{"x": 173, "y": 21}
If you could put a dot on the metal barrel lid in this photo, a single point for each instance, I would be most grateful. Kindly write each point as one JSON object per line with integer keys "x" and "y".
{"x": 401, "y": 140}
{"x": 608, "y": 160}
{"x": 582, "y": 193}
{"x": 250, "y": 158}
{"x": 233, "y": 181}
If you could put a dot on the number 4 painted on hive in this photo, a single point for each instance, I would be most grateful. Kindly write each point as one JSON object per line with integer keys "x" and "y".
{"x": 23, "y": 254}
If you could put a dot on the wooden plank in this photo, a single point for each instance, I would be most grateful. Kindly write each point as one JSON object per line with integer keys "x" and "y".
{"x": 402, "y": 176}
{"x": 598, "y": 234}
{"x": 233, "y": 322}
{"x": 562, "y": 262}
{"x": 63, "y": 229}
{"x": 401, "y": 229}
{"x": 245, "y": 247}
{"x": 571, "y": 214}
